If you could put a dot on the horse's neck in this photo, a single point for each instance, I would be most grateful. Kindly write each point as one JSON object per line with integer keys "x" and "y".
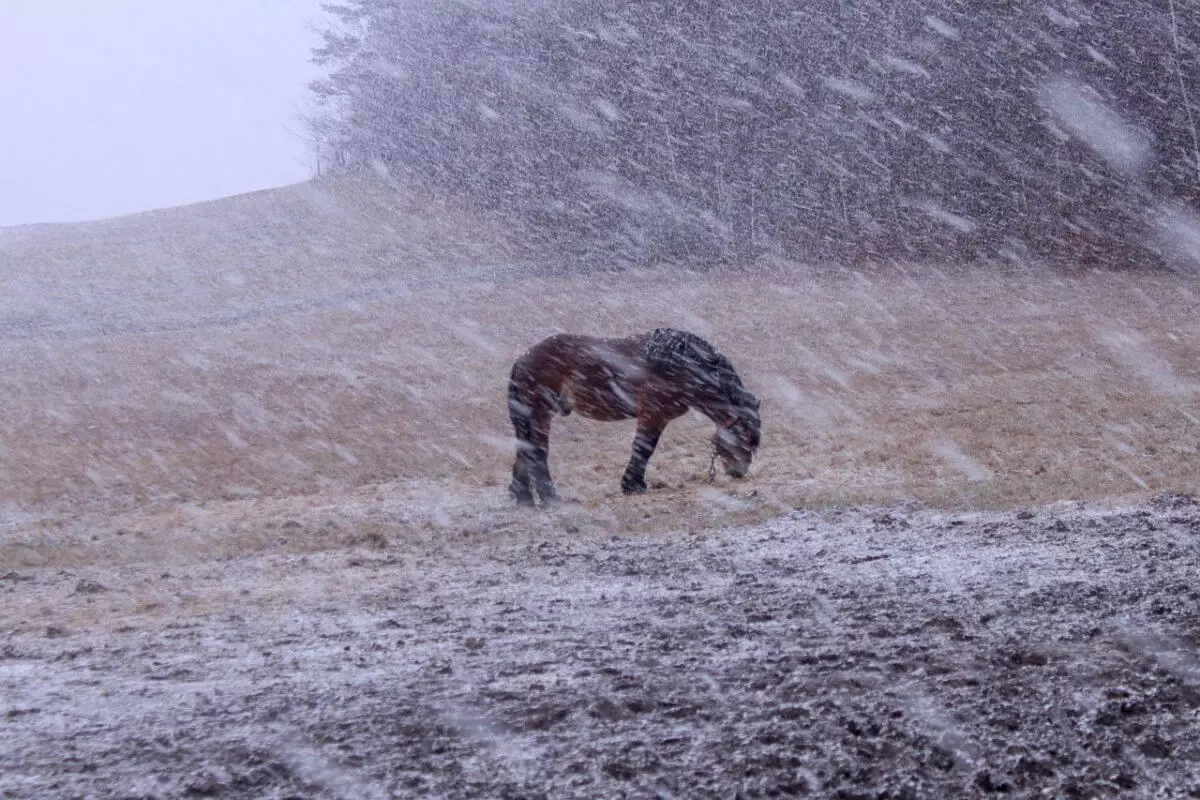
{"x": 710, "y": 402}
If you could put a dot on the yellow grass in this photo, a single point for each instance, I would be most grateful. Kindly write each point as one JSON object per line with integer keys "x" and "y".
{"x": 962, "y": 389}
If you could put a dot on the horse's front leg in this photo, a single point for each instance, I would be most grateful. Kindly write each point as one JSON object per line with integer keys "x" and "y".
{"x": 644, "y": 442}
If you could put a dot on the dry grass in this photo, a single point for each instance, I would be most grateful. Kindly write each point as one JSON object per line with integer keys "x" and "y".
{"x": 965, "y": 389}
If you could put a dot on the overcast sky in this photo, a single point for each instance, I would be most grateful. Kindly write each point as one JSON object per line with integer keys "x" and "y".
{"x": 113, "y": 106}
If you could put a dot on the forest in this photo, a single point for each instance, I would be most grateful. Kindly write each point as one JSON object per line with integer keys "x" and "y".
{"x": 705, "y": 132}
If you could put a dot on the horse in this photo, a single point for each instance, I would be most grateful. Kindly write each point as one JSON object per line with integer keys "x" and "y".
{"x": 654, "y": 377}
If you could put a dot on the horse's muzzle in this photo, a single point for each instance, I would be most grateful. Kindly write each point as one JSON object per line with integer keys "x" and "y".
{"x": 737, "y": 470}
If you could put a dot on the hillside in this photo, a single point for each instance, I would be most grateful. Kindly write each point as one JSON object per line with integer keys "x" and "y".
{"x": 252, "y": 467}
{"x": 306, "y": 246}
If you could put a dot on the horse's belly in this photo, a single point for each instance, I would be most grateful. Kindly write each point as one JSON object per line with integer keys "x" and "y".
{"x": 605, "y": 403}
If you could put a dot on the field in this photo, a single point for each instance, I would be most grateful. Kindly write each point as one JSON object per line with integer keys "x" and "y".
{"x": 254, "y": 539}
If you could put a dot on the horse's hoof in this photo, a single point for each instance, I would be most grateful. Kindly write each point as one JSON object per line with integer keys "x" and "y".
{"x": 633, "y": 488}
{"x": 547, "y": 493}
{"x": 522, "y": 496}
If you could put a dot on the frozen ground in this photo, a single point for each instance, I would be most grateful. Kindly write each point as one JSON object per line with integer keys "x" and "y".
{"x": 254, "y": 540}
{"x": 890, "y": 652}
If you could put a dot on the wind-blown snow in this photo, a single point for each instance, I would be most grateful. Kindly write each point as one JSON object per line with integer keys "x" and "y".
{"x": 1085, "y": 115}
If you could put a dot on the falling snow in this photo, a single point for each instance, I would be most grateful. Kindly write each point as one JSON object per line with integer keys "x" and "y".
{"x": 1104, "y": 130}
{"x": 254, "y": 533}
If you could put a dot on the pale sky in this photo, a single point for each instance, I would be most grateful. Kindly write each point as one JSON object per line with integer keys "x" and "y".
{"x": 108, "y": 107}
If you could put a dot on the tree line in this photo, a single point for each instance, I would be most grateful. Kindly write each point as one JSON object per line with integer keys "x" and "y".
{"x": 706, "y": 131}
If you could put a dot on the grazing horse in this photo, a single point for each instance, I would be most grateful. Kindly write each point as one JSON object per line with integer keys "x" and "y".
{"x": 655, "y": 377}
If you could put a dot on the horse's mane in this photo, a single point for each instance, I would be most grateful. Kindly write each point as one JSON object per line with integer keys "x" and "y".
{"x": 669, "y": 351}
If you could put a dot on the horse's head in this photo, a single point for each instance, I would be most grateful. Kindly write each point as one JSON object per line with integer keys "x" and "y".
{"x": 738, "y": 434}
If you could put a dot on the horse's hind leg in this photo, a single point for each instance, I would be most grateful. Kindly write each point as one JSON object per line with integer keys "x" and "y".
{"x": 521, "y": 415}
{"x": 521, "y": 488}
{"x": 540, "y": 457}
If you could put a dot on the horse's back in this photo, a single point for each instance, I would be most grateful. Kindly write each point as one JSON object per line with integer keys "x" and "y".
{"x": 573, "y": 351}
{"x": 595, "y": 376}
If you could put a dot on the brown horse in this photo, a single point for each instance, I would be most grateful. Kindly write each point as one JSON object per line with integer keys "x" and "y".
{"x": 655, "y": 377}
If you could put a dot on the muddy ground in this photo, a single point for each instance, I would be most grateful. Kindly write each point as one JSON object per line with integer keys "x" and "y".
{"x": 890, "y": 652}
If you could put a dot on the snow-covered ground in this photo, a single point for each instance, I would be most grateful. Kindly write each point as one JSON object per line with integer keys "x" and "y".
{"x": 254, "y": 540}
{"x": 887, "y": 652}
